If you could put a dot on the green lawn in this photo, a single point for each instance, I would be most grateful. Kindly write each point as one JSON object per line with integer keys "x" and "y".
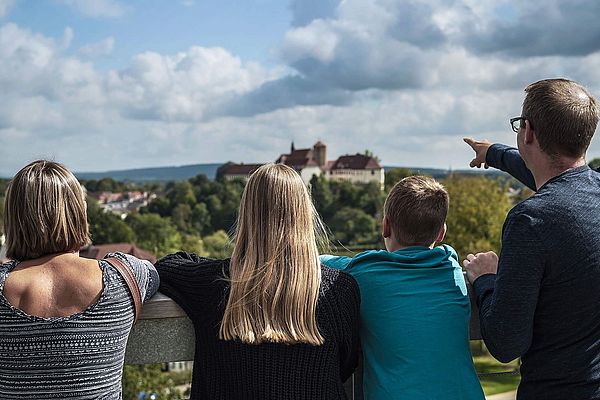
{"x": 496, "y": 383}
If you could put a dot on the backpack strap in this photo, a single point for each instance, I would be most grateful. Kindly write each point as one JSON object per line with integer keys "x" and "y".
{"x": 129, "y": 278}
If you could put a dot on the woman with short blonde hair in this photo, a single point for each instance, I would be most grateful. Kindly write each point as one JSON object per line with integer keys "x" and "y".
{"x": 45, "y": 212}
{"x": 271, "y": 322}
{"x": 64, "y": 320}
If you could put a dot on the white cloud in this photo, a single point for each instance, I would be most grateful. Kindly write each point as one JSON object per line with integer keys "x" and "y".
{"x": 99, "y": 49}
{"x": 5, "y": 6}
{"x": 98, "y": 8}
{"x": 399, "y": 78}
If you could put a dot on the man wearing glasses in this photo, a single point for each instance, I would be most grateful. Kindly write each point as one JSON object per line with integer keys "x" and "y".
{"x": 540, "y": 299}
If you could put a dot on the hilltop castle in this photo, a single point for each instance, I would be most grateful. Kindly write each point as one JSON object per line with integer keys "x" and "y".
{"x": 357, "y": 168}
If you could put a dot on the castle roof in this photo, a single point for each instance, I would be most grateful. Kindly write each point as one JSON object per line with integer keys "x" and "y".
{"x": 357, "y": 161}
{"x": 298, "y": 159}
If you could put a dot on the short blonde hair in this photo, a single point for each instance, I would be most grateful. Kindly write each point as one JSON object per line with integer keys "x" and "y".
{"x": 416, "y": 209}
{"x": 274, "y": 270}
{"x": 44, "y": 212}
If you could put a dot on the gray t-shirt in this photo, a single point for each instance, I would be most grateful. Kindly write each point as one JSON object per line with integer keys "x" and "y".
{"x": 77, "y": 356}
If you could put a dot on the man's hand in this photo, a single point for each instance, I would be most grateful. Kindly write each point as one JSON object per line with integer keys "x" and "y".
{"x": 480, "y": 264}
{"x": 480, "y": 147}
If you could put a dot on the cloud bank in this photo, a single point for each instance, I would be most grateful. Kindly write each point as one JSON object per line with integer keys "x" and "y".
{"x": 404, "y": 79}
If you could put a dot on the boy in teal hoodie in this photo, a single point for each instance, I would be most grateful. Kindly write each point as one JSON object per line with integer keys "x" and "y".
{"x": 414, "y": 305}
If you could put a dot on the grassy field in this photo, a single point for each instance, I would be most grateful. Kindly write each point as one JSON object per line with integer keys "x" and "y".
{"x": 496, "y": 383}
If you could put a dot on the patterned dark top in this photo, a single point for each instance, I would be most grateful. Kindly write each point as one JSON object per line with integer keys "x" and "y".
{"x": 78, "y": 356}
{"x": 268, "y": 371}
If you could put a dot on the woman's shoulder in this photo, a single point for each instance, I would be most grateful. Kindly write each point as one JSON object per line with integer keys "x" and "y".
{"x": 144, "y": 272}
{"x": 339, "y": 282}
{"x": 191, "y": 264}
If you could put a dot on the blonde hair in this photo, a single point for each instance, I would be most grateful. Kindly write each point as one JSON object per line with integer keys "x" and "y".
{"x": 44, "y": 212}
{"x": 274, "y": 270}
{"x": 416, "y": 209}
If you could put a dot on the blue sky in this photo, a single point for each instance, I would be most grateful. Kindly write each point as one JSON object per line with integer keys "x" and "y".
{"x": 110, "y": 84}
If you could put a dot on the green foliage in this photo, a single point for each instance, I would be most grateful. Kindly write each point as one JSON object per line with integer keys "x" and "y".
{"x": 352, "y": 212}
{"x": 322, "y": 196}
{"x": 201, "y": 218}
{"x": 595, "y": 163}
{"x": 493, "y": 384}
{"x": 181, "y": 193}
{"x": 353, "y": 226}
{"x": 154, "y": 233}
{"x": 106, "y": 227}
{"x": 217, "y": 245}
{"x": 478, "y": 207}
{"x": 150, "y": 379}
{"x": 160, "y": 206}
{"x": 193, "y": 244}
{"x": 370, "y": 199}
{"x": 105, "y": 185}
{"x": 394, "y": 175}
{"x": 182, "y": 217}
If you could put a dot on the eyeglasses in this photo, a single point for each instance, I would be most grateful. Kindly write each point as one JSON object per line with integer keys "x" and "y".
{"x": 515, "y": 126}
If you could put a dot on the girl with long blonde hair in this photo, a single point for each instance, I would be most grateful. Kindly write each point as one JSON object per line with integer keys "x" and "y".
{"x": 271, "y": 322}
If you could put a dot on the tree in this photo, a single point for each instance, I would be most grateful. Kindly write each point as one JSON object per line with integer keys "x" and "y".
{"x": 595, "y": 163}
{"x": 478, "y": 207}
{"x": 370, "y": 199}
{"x": 181, "y": 193}
{"x": 394, "y": 175}
{"x": 352, "y": 226}
{"x": 106, "y": 227}
{"x": 150, "y": 379}
{"x": 322, "y": 196}
{"x": 217, "y": 244}
{"x": 182, "y": 217}
{"x": 193, "y": 244}
{"x": 160, "y": 205}
{"x": 201, "y": 218}
{"x": 154, "y": 233}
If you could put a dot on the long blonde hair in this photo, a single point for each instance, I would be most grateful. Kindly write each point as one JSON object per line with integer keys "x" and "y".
{"x": 274, "y": 271}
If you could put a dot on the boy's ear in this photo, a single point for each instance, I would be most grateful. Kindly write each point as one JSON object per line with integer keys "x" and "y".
{"x": 387, "y": 230}
{"x": 529, "y": 133}
{"x": 441, "y": 234}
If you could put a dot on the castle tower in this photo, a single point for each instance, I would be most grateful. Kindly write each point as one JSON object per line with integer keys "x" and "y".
{"x": 320, "y": 153}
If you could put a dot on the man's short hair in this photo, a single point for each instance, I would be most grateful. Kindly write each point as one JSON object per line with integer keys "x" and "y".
{"x": 44, "y": 212}
{"x": 563, "y": 114}
{"x": 416, "y": 209}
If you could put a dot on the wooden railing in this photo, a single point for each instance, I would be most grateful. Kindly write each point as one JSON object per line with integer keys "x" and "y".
{"x": 165, "y": 334}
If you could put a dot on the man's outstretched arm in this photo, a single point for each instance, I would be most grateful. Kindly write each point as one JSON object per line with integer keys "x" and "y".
{"x": 502, "y": 157}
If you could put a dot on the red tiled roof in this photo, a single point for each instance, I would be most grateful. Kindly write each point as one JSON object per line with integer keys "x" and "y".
{"x": 99, "y": 251}
{"x": 297, "y": 159}
{"x": 357, "y": 161}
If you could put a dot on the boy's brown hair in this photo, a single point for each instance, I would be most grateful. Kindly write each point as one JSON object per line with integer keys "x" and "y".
{"x": 416, "y": 209}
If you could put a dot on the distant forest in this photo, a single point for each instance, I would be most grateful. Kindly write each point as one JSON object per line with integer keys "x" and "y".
{"x": 198, "y": 214}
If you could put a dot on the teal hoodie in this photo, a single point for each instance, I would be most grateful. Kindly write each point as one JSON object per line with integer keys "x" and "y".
{"x": 414, "y": 324}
